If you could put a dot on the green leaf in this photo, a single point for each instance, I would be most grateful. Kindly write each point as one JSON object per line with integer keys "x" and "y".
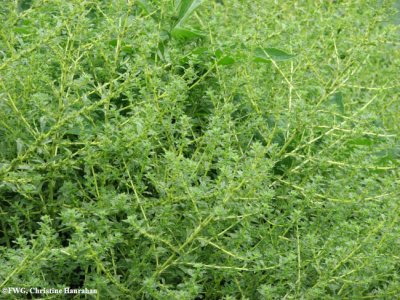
{"x": 186, "y": 33}
{"x": 23, "y": 30}
{"x": 144, "y": 5}
{"x": 200, "y": 50}
{"x": 20, "y": 146}
{"x": 226, "y": 60}
{"x": 186, "y": 8}
{"x": 113, "y": 42}
{"x": 223, "y": 59}
{"x": 218, "y": 53}
{"x": 388, "y": 155}
{"x": 164, "y": 36}
{"x": 362, "y": 141}
{"x": 337, "y": 100}
{"x": 268, "y": 54}
{"x": 162, "y": 52}
{"x": 127, "y": 49}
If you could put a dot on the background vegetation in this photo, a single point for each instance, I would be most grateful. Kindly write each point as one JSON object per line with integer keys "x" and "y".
{"x": 200, "y": 150}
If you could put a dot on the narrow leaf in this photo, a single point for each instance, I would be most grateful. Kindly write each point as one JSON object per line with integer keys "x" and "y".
{"x": 200, "y": 50}
{"x": 268, "y": 54}
{"x": 23, "y": 30}
{"x": 186, "y": 33}
{"x": 144, "y": 5}
{"x": 147, "y": 8}
{"x": 186, "y": 8}
{"x": 361, "y": 141}
{"x": 127, "y": 49}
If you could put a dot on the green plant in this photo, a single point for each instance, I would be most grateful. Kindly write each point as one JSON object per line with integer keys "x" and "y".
{"x": 200, "y": 149}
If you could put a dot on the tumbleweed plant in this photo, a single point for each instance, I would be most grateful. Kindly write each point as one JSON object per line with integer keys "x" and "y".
{"x": 196, "y": 149}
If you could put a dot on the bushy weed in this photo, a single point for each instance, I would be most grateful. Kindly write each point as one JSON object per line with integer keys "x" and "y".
{"x": 200, "y": 149}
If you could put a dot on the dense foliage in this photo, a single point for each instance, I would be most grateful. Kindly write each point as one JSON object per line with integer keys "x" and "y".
{"x": 195, "y": 149}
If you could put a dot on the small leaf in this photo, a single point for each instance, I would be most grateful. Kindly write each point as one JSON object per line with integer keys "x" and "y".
{"x": 186, "y": 33}
{"x": 337, "y": 100}
{"x": 361, "y": 141}
{"x": 226, "y": 60}
{"x": 74, "y": 131}
{"x": 20, "y": 146}
{"x": 222, "y": 59}
{"x": 164, "y": 36}
{"x": 113, "y": 42}
{"x": 218, "y": 53}
{"x": 268, "y": 54}
{"x": 200, "y": 51}
{"x": 127, "y": 49}
{"x": 23, "y": 30}
{"x": 388, "y": 155}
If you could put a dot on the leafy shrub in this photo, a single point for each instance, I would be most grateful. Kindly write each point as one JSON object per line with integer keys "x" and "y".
{"x": 200, "y": 150}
